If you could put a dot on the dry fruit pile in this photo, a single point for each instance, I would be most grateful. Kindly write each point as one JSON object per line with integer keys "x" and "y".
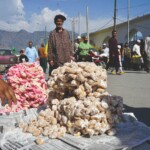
{"x": 26, "y": 79}
{"x": 78, "y": 103}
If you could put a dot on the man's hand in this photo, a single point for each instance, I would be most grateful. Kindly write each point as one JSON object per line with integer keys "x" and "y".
{"x": 72, "y": 58}
{"x": 7, "y": 92}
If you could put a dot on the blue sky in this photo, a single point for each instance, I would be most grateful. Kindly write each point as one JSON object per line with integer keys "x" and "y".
{"x": 33, "y": 15}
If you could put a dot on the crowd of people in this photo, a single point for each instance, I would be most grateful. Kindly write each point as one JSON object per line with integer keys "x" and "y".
{"x": 117, "y": 57}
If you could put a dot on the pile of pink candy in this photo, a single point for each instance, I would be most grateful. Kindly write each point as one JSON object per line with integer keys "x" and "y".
{"x": 29, "y": 85}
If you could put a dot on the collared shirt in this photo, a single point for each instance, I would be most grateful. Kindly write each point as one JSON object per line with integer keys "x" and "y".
{"x": 31, "y": 53}
{"x": 136, "y": 48}
{"x": 147, "y": 46}
{"x": 113, "y": 50}
{"x": 76, "y": 47}
{"x": 105, "y": 52}
{"x": 42, "y": 53}
{"x": 84, "y": 48}
{"x": 59, "y": 47}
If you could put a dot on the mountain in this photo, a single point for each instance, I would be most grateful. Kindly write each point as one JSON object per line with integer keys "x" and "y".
{"x": 20, "y": 39}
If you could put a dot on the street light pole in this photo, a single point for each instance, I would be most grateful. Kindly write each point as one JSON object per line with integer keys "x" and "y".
{"x": 79, "y": 25}
{"x": 128, "y": 20}
{"x": 87, "y": 23}
{"x": 115, "y": 9}
{"x": 45, "y": 36}
{"x": 73, "y": 30}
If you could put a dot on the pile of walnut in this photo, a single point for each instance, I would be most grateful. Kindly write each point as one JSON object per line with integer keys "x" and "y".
{"x": 78, "y": 103}
{"x": 45, "y": 124}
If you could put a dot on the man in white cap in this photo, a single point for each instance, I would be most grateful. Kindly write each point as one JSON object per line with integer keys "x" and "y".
{"x": 105, "y": 53}
{"x": 76, "y": 47}
{"x": 136, "y": 51}
{"x": 147, "y": 51}
{"x": 136, "y": 48}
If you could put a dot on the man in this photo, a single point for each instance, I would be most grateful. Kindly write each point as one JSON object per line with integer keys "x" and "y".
{"x": 147, "y": 51}
{"x": 84, "y": 49}
{"x": 6, "y": 92}
{"x": 137, "y": 57}
{"x": 113, "y": 53}
{"x": 77, "y": 43}
{"x": 105, "y": 53}
{"x": 31, "y": 53}
{"x": 59, "y": 45}
{"x": 127, "y": 56}
{"x": 76, "y": 47}
{"x": 136, "y": 48}
{"x": 43, "y": 57}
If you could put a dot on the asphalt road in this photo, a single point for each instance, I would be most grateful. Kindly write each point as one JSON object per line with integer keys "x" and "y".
{"x": 134, "y": 87}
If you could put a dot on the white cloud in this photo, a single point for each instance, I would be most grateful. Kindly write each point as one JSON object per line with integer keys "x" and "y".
{"x": 12, "y": 17}
{"x": 10, "y": 11}
{"x": 45, "y": 18}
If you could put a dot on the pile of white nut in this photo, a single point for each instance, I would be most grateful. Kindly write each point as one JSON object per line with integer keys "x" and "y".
{"x": 78, "y": 103}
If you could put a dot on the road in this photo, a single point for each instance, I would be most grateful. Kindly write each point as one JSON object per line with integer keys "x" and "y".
{"x": 134, "y": 87}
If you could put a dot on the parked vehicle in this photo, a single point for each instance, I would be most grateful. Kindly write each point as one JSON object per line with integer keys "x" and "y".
{"x": 95, "y": 57}
{"x": 7, "y": 59}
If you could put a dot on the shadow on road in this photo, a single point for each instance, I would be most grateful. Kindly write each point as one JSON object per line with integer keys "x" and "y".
{"x": 142, "y": 114}
{"x": 137, "y": 72}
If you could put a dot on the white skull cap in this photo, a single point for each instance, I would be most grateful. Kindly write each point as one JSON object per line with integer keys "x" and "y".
{"x": 139, "y": 41}
{"x": 119, "y": 46}
{"x": 78, "y": 37}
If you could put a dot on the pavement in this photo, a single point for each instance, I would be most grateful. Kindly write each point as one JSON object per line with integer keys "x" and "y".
{"x": 134, "y": 87}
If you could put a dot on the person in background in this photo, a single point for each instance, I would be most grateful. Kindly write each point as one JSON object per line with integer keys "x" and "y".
{"x": 105, "y": 53}
{"x": 143, "y": 54}
{"x": 120, "y": 71}
{"x": 23, "y": 57}
{"x": 126, "y": 54}
{"x": 136, "y": 48}
{"x": 147, "y": 51}
{"x": 84, "y": 49}
{"x": 60, "y": 48}
{"x": 7, "y": 92}
{"x": 76, "y": 47}
{"x": 113, "y": 53}
{"x": 77, "y": 43}
{"x": 137, "y": 53}
{"x": 31, "y": 53}
{"x": 43, "y": 57}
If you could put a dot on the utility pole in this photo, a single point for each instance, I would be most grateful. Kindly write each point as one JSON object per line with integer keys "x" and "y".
{"x": 45, "y": 36}
{"x": 115, "y": 9}
{"x": 128, "y": 21}
{"x": 73, "y": 28}
{"x": 79, "y": 25}
{"x": 87, "y": 23}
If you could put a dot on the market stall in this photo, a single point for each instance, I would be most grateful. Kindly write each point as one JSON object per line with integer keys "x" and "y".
{"x": 74, "y": 112}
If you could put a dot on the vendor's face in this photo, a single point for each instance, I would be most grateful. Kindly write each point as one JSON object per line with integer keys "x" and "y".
{"x": 59, "y": 23}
